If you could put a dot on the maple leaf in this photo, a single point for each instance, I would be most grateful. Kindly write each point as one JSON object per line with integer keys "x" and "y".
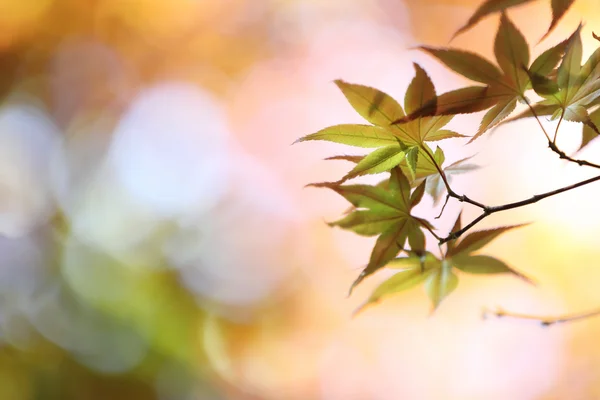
{"x": 421, "y": 93}
{"x": 460, "y": 253}
{"x": 574, "y": 87}
{"x": 438, "y": 274}
{"x": 559, "y": 8}
{"x": 384, "y": 212}
{"x": 396, "y": 143}
{"x": 506, "y": 83}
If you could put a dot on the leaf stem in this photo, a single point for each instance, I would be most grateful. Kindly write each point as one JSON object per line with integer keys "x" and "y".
{"x": 562, "y": 114}
{"x": 537, "y": 118}
{"x": 462, "y": 198}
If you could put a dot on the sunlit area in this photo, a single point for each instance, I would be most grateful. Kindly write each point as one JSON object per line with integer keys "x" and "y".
{"x": 158, "y": 239}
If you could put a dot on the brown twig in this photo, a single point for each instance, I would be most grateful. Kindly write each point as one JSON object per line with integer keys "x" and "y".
{"x": 534, "y": 199}
{"x": 544, "y": 321}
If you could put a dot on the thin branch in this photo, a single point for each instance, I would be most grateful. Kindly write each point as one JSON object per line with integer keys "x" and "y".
{"x": 563, "y": 156}
{"x": 451, "y": 193}
{"x": 534, "y": 199}
{"x": 545, "y": 321}
{"x": 458, "y": 233}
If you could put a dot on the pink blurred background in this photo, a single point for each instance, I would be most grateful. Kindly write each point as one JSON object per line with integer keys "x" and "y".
{"x": 158, "y": 241}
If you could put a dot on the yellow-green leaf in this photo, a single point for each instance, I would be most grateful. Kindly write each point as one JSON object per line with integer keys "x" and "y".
{"x": 422, "y": 262}
{"x": 485, "y": 265}
{"x": 476, "y": 240}
{"x": 366, "y": 196}
{"x": 399, "y": 282}
{"x": 417, "y": 194}
{"x": 440, "y": 283}
{"x": 420, "y": 91}
{"x": 416, "y": 238}
{"x": 369, "y": 223}
{"x": 568, "y": 70}
{"x": 495, "y": 115}
{"x": 375, "y": 106}
{"x": 489, "y": 7}
{"x": 512, "y": 53}
{"x": 380, "y": 160}
{"x": 399, "y": 188}
{"x": 559, "y": 8}
{"x": 455, "y": 228}
{"x": 549, "y": 59}
{"x": 588, "y": 133}
{"x": 411, "y": 161}
{"x": 387, "y": 246}
{"x": 354, "y": 135}
{"x": 444, "y": 134}
{"x": 460, "y": 101}
{"x": 467, "y": 64}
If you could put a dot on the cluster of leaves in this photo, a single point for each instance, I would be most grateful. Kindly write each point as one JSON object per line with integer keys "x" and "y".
{"x": 401, "y": 138}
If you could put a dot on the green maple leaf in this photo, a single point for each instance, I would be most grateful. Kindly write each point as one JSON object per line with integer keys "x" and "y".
{"x": 437, "y": 274}
{"x": 506, "y": 83}
{"x": 421, "y": 93}
{"x": 460, "y": 253}
{"x": 559, "y": 8}
{"x": 575, "y": 87}
{"x": 588, "y": 133}
{"x": 384, "y": 212}
{"x": 395, "y": 143}
{"x": 414, "y": 270}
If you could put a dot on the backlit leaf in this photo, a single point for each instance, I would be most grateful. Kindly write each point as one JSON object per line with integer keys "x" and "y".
{"x": 485, "y": 265}
{"x": 380, "y": 160}
{"x": 369, "y": 223}
{"x": 419, "y": 92}
{"x": 476, "y": 240}
{"x": 440, "y": 283}
{"x": 422, "y": 262}
{"x": 542, "y": 85}
{"x": 489, "y": 7}
{"x": 460, "y": 101}
{"x": 366, "y": 196}
{"x": 425, "y": 167}
{"x": 570, "y": 66}
{"x": 455, "y": 228}
{"x": 354, "y": 135}
{"x": 541, "y": 110}
{"x": 399, "y": 187}
{"x": 373, "y": 105}
{"x": 417, "y": 195}
{"x": 416, "y": 238}
{"x": 387, "y": 246}
{"x": 495, "y": 115}
{"x": 549, "y": 59}
{"x": 588, "y": 133}
{"x": 469, "y": 65}
{"x": 352, "y": 159}
{"x": 399, "y": 282}
{"x": 512, "y": 53}
{"x": 411, "y": 161}
{"x": 559, "y": 8}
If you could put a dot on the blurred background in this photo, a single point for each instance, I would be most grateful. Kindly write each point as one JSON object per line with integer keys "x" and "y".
{"x": 157, "y": 241}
